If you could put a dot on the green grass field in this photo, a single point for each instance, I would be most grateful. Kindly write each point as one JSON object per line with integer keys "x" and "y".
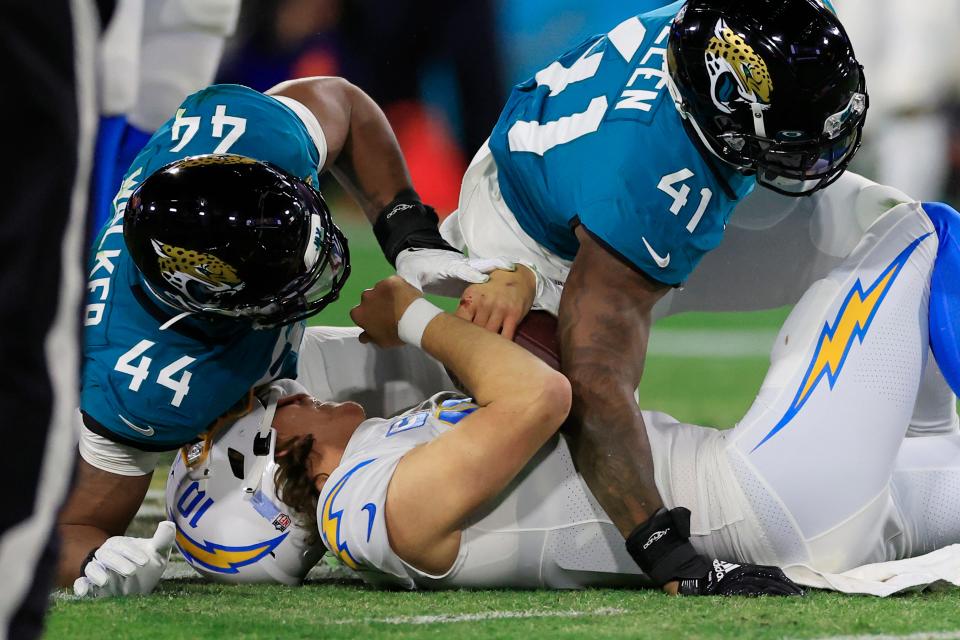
{"x": 713, "y": 390}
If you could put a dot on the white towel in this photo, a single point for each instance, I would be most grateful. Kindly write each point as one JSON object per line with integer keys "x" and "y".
{"x": 938, "y": 569}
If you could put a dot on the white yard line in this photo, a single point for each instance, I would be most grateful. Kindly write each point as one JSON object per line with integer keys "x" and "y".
{"x": 724, "y": 343}
{"x": 446, "y": 618}
{"x": 924, "y": 635}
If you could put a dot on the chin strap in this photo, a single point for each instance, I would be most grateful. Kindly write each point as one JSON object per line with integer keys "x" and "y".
{"x": 263, "y": 446}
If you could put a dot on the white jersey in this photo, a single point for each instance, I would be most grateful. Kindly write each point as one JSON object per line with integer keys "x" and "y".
{"x": 545, "y": 530}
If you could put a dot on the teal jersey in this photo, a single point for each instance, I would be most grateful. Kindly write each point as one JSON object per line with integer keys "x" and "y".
{"x": 159, "y": 383}
{"x": 594, "y": 139}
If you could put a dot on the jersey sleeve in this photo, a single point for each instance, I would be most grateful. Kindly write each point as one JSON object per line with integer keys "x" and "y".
{"x": 351, "y": 517}
{"x": 652, "y": 244}
{"x": 312, "y": 125}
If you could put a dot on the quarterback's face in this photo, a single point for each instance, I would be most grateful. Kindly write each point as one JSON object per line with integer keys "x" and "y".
{"x": 327, "y": 422}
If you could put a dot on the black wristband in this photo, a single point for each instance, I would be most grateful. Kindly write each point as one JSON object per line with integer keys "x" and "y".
{"x": 88, "y": 560}
{"x": 407, "y": 223}
{"x": 661, "y": 546}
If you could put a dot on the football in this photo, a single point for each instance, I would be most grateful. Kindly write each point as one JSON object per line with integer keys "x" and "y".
{"x": 537, "y": 333}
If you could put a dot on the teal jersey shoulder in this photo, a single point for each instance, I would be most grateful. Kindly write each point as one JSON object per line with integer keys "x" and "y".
{"x": 160, "y": 383}
{"x": 230, "y": 118}
{"x": 594, "y": 139}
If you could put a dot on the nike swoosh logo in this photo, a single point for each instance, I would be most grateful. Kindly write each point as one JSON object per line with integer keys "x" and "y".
{"x": 371, "y": 510}
{"x": 662, "y": 262}
{"x": 147, "y": 432}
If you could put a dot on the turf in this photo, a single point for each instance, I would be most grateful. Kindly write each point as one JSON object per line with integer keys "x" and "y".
{"x": 714, "y": 391}
{"x": 197, "y": 610}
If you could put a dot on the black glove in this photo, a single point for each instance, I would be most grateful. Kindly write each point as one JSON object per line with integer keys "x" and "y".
{"x": 661, "y": 546}
{"x": 726, "y": 579}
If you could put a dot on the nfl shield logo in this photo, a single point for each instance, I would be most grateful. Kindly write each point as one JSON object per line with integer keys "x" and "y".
{"x": 281, "y": 522}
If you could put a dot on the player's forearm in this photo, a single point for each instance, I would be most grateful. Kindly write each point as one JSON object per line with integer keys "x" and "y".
{"x": 492, "y": 368}
{"x": 76, "y": 543}
{"x": 362, "y": 150}
{"x": 611, "y": 449}
{"x": 604, "y": 325}
{"x": 604, "y": 362}
{"x": 371, "y": 166}
{"x": 100, "y": 505}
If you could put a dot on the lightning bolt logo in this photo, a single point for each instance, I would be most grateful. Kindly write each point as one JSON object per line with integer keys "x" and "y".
{"x": 853, "y": 320}
{"x": 221, "y": 558}
{"x": 454, "y": 410}
{"x": 330, "y": 520}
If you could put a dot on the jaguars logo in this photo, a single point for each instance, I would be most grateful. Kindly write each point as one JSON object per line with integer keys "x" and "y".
{"x": 187, "y": 270}
{"x": 215, "y": 158}
{"x": 737, "y": 72}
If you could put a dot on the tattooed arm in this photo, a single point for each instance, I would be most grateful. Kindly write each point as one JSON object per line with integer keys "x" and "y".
{"x": 604, "y": 327}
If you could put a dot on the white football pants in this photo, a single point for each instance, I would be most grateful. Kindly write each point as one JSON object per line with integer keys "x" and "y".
{"x": 818, "y": 475}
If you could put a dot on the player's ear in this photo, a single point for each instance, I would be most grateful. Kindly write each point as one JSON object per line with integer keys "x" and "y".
{"x": 319, "y": 480}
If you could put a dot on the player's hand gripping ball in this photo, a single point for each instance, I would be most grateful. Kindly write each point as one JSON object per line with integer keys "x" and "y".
{"x": 501, "y": 303}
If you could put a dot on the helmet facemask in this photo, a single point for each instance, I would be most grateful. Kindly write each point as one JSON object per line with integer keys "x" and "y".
{"x": 328, "y": 261}
{"x": 795, "y": 167}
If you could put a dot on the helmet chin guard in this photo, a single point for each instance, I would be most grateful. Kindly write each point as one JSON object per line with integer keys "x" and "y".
{"x": 231, "y": 526}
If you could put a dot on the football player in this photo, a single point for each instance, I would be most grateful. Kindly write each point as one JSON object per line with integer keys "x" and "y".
{"x": 461, "y": 492}
{"x": 616, "y": 168}
{"x": 218, "y": 248}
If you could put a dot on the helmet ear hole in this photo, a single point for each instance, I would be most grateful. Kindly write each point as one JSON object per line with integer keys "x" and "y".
{"x": 261, "y": 445}
{"x": 236, "y": 462}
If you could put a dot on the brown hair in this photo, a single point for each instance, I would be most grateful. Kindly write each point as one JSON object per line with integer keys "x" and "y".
{"x": 295, "y": 486}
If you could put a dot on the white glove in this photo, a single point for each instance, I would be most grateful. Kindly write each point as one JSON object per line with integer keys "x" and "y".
{"x": 446, "y": 273}
{"x": 123, "y": 566}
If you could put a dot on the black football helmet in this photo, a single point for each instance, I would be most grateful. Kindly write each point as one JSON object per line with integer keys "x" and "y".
{"x": 230, "y": 235}
{"x": 771, "y": 87}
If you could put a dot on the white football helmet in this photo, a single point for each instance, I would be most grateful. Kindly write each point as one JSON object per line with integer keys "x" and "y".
{"x": 230, "y": 524}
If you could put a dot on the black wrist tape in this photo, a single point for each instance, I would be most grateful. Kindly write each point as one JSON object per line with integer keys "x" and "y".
{"x": 87, "y": 560}
{"x": 407, "y": 223}
{"x": 661, "y": 546}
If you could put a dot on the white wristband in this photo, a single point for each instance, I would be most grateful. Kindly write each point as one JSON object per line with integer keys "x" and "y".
{"x": 415, "y": 319}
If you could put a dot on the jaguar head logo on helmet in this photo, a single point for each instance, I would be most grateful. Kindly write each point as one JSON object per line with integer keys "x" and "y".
{"x": 733, "y": 65}
{"x": 771, "y": 87}
{"x": 232, "y": 236}
{"x": 185, "y": 269}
